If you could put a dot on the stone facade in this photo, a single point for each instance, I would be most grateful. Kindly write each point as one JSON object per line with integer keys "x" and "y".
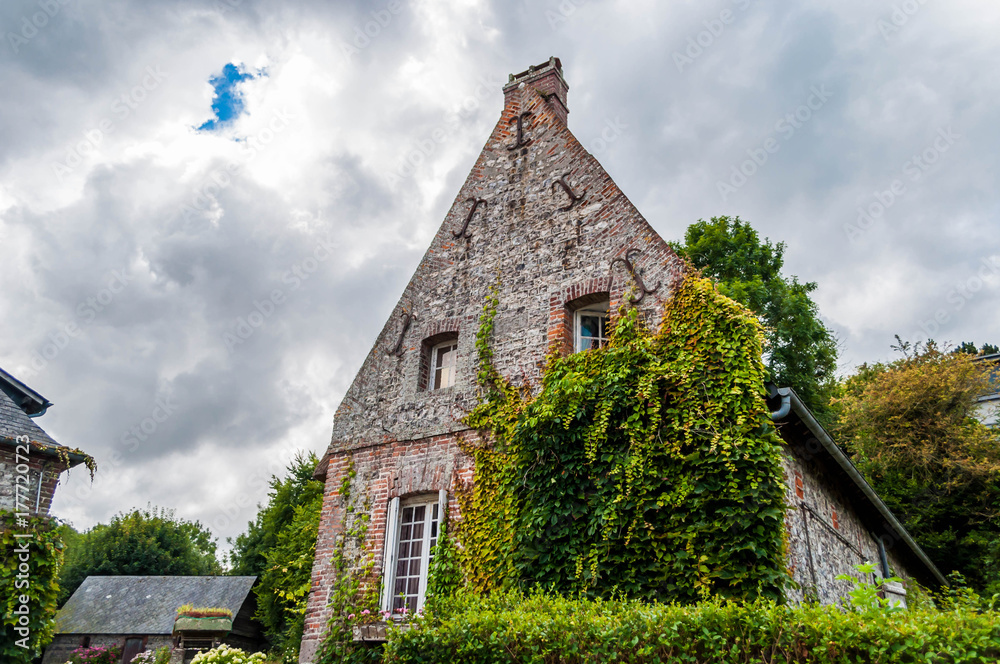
{"x": 539, "y": 212}
{"x": 39, "y": 483}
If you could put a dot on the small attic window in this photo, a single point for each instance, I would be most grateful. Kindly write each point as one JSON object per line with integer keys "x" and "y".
{"x": 590, "y": 326}
{"x": 439, "y": 361}
{"x": 444, "y": 358}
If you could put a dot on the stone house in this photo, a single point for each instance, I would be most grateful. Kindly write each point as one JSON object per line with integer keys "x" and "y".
{"x": 540, "y": 210}
{"x": 22, "y": 441}
{"x": 138, "y": 613}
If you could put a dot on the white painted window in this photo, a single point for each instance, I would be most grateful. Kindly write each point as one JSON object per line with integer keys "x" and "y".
{"x": 411, "y": 535}
{"x": 590, "y": 326}
{"x": 444, "y": 358}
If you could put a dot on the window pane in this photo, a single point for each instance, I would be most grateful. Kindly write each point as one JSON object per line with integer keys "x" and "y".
{"x": 414, "y": 587}
{"x": 415, "y": 548}
{"x": 590, "y": 326}
{"x": 414, "y": 567}
{"x": 418, "y": 515}
{"x": 445, "y": 359}
{"x": 400, "y": 568}
{"x": 404, "y": 532}
{"x": 418, "y": 531}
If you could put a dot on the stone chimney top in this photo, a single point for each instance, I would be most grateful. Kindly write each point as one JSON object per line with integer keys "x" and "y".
{"x": 547, "y": 79}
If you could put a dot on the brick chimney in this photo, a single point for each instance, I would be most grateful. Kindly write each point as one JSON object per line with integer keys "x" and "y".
{"x": 547, "y": 79}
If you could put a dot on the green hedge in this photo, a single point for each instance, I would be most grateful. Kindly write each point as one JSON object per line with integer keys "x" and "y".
{"x": 549, "y": 630}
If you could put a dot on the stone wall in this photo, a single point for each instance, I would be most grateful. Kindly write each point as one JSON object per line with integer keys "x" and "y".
{"x": 63, "y": 644}
{"x": 826, "y": 535}
{"x": 43, "y": 467}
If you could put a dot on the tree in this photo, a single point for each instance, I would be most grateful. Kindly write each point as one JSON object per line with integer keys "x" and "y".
{"x": 279, "y": 547}
{"x": 151, "y": 541}
{"x": 801, "y": 351}
{"x": 969, "y": 348}
{"x": 911, "y": 428}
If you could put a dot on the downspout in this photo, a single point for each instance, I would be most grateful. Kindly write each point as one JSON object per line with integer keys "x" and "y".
{"x": 786, "y": 401}
{"x": 38, "y": 494}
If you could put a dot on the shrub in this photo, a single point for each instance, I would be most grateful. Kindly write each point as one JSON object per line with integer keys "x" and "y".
{"x": 189, "y": 611}
{"x": 511, "y": 627}
{"x": 96, "y": 655}
{"x": 227, "y": 655}
{"x": 160, "y": 656}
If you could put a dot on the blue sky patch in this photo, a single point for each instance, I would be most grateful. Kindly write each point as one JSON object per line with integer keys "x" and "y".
{"x": 227, "y": 105}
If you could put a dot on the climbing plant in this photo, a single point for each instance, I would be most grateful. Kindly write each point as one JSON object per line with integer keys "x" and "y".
{"x": 646, "y": 467}
{"x": 353, "y": 596}
{"x": 30, "y": 558}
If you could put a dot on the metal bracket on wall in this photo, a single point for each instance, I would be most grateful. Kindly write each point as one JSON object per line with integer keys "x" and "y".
{"x": 397, "y": 350}
{"x": 463, "y": 231}
{"x": 636, "y": 277}
{"x": 573, "y": 198}
{"x": 520, "y": 142}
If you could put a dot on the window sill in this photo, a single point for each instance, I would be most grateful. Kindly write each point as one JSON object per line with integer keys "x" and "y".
{"x": 376, "y": 632}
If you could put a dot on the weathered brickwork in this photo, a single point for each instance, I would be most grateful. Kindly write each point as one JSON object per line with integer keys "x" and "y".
{"x": 547, "y": 221}
{"x": 36, "y": 499}
{"x": 826, "y": 536}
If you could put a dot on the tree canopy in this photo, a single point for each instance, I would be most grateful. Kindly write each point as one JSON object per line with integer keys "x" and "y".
{"x": 279, "y": 547}
{"x": 911, "y": 426}
{"x": 152, "y": 541}
{"x": 801, "y": 351}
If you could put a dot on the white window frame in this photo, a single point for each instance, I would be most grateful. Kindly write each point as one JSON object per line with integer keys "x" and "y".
{"x": 392, "y": 530}
{"x": 600, "y": 309}
{"x": 432, "y": 378}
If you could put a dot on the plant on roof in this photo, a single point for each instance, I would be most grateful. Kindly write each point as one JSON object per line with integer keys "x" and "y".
{"x": 189, "y": 611}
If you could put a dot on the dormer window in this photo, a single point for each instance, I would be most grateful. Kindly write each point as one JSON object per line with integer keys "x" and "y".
{"x": 444, "y": 358}
{"x": 591, "y": 326}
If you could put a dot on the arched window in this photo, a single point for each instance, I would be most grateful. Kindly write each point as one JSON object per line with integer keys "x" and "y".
{"x": 590, "y": 326}
{"x": 439, "y": 361}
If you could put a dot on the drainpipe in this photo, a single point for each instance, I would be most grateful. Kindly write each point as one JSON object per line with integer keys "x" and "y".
{"x": 786, "y": 401}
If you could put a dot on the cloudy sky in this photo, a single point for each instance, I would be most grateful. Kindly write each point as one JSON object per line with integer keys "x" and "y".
{"x": 173, "y": 171}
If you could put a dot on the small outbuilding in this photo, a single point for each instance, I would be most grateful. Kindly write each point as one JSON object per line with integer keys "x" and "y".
{"x": 140, "y": 613}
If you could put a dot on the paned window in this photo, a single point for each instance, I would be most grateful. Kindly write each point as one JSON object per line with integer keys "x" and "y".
{"x": 444, "y": 357}
{"x": 591, "y": 327}
{"x": 412, "y": 532}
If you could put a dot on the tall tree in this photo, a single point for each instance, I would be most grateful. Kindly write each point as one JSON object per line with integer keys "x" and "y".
{"x": 801, "y": 351}
{"x": 279, "y": 547}
{"x": 152, "y": 541}
{"x": 911, "y": 426}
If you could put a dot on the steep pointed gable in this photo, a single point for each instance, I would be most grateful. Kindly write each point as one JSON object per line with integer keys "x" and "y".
{"x": 541, "y": 213}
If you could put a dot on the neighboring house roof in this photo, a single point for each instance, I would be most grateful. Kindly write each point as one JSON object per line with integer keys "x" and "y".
{"x": 18, "y": 404}
{"x": 800, "y": 426}
{"x": 146, "y": 604}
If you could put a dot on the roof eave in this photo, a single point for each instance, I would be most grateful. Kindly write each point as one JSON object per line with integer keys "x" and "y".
{"x": 826, "y": 440}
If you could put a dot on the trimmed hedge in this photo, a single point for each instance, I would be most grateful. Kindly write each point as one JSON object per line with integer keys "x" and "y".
{"x": 544, "y": 629}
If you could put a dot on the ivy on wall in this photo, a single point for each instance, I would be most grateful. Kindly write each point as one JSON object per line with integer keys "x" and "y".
{"x": 353, "y": 596}
{"x": 31, "y": 553}
{"x": 646, "y": 467}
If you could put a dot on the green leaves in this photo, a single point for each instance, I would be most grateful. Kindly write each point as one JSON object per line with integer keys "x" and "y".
{"x": 630, "y": 459}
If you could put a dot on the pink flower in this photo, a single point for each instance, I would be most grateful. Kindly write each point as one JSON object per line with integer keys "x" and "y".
{"x": 350, "y": 617}
{"x": 365, "y": 612}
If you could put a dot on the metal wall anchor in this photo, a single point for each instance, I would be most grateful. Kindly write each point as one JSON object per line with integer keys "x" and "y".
{"x": 463, "y": 230}
{"x": 520, "y": 142}
{"x": 636, "y": 277}
{"x": 397, "y": 351}
{"x": 573, "y": 198}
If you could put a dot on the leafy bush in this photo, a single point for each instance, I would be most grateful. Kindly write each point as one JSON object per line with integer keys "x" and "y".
{"x": 96, "y": 655}
{"x": 160, "y": 656}
{"x": 511, "y": 627}
{"x": 227, "y": 655}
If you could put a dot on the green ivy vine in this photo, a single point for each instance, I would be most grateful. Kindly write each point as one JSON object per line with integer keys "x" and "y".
{"x": 646, "y": 467}
{"x": 354, "y": 592}
{"x": 31, "y": 554}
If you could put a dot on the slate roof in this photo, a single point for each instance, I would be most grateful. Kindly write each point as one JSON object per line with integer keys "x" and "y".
{"x": 145, "y": 604}
{"x": 14, "y": 422}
